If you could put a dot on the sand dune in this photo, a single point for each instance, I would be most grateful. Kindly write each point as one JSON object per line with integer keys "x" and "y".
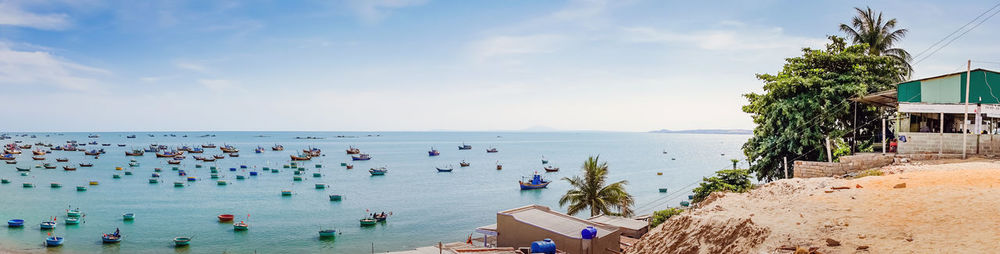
{"x": 945, "y": 207}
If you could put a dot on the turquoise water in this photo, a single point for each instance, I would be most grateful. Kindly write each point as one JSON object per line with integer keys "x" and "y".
{"x": 427, "y": 206}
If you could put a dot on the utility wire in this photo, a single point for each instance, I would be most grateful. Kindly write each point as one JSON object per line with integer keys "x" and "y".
{"x": 956, "y": 30}
{"x": 957, "y": 37}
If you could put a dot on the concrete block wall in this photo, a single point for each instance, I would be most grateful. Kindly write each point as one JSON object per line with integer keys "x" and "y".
{"x": 926, "y": 143}
{"x": 847, "y": 164}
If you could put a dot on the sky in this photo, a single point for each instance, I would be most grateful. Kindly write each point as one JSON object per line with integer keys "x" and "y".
{"x": 419, "y": 65}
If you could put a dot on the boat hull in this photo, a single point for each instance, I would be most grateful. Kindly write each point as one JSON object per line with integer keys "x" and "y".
{"x": 529, "y": 186}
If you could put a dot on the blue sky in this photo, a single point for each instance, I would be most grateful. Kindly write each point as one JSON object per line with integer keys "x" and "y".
{"x": 387, "y": 65}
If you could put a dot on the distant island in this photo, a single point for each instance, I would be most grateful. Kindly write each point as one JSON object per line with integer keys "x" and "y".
{"x": 707, "y": 131}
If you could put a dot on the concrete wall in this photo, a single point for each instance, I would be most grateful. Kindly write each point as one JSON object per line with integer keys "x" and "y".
{"x": 847, "y": 164}
{"x": 514, "y": 233}
{"x": 931, "y": 143}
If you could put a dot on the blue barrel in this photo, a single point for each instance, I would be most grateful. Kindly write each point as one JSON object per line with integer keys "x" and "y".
{"x": 545, "y": 246}
{"x": 589, "y": 233}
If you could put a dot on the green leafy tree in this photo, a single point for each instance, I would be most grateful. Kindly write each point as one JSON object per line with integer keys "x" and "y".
{"x": 729, "y": 180}
{"x": 592, "y": 192}
{"x": 660, "y": 216}
{"x": 881, "y": 35}
{"x": 809, "y": 100}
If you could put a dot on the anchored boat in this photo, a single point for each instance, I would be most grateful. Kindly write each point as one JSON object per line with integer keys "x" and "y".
{"x": 536, "y": 182}
{"x": 361, "y": 157}
{"x": 378, "y": 171}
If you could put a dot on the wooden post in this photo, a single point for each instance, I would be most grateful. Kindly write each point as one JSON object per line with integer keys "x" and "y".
{"x": 440, "y": 248}
{"x": 965, "y": 124}
{"x": 829, "y": 155}
{"x": 786, "y": 167}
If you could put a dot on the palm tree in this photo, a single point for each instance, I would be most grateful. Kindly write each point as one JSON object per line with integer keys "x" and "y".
{"x": 590, "y": 192}
{"x": 880, "y": 35}
{"x": 734, "y": 161}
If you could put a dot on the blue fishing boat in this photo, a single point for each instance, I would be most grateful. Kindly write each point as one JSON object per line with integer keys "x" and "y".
{"x": 53, "y": 241}
{"x": 361, "y": 157}
{"x": 15, "y": 223}
{"x": 182, "y": 241}
{"x": 258, "y": 150}
{"x": 128, "y": 216}
{"x": 536, "y": 182}
{"x": 46, "y": 225}
{"x": 433, "y": 152}
{"x": 335, "y": 197}
{"x": 115, "y": 237}
{"x": 378, "y": 171}
{"x": 445, "y": 169}
{"x": 72, "y": 221}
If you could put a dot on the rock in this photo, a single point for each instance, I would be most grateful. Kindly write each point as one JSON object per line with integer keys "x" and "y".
{"x": 863, "y": 247}
{"x": 862, "y": 236}
{"x": 828, "y": 191}
{"x": 899, "y": 186}
{"x": 800, "y": 250}
{"x": 858, "y": 186}
{"x": 841, "y": 188}
{"x": 832, "y": 243}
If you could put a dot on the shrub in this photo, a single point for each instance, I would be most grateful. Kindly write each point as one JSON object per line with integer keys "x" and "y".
{"x": 660, "y": 216}
{"x": 732, "y": 180}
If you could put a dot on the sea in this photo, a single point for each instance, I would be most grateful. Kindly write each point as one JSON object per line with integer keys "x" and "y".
{"x": 426, "y": 206}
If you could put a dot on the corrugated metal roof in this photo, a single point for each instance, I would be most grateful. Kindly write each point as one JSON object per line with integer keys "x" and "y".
{"x": 620, "y": 222}
{"x": 544, "y": 218}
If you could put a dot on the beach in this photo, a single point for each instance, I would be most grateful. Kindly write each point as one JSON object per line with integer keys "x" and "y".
{"x": 945, "y": 206}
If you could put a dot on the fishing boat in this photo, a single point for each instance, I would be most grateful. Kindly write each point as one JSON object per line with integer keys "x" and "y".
{"x": 174, "y": 162}
{"x": 219, "y": 156}
{"x": 93, "y": 136}
{"x": 208, "y": 159}
{"x": 15, "y": 223}
{"x": 135, "y": 152}
{"x": 228, "y": 149}
{"x": 68, "y": 168}
{"x": 353, "y": 150}
{"x": 349, "y": 166}
{"x": 11, "y": 162}
{"x": 225, "y": 217}
{"x": 464, "y": 164}
{"x": 4, "y": 180}
{"x": 75, "y": 212}
{"x": 312, "y": 151}
{"x": 121, "y": 145}
{"x": 105, "y": 144}
{"x": 492, "y": 150}
{"x": 7, "y": 157}
{"x": 433, "y": 152}
{"x": 277, "y": 147}
{"x": 221, "y": 182}
{"x": 465, "y": 146}
{"x": 28, "y": 185}
{"x": 378, "y": 171}
{"x": 93, "y": 182}
{"x": 301, "y": 157}
{"x": 178, "y": 184}
{"x": 23, "y": 169}
{"x": 208, "y": 146}
{"x": 53, "y": 241}
{"x": 535, "y": 182}
{"x": 361, "y": 157}
{"x": 130, "y": 136}
{"x": 327, "y": 233}
{"x": 544, "y": 161}
{"x": 46, "y": 225}
{"x": 499, "y": 166}
{"x": 445, "y": 169}
{"x": 320, "y": 186}
{"x": 286, "y": 193}
{"x": 367, "y": 222}
{"x": 381, "y": 216}
{"x": 81, "y": 188}
{"x": 196, "y": 150}
{"x": 72, "y": 221}
{"x": 128, "y": 216}
{"x": 240, "y": 226}
{"x": 258, "y": 150}
{"x": 234, "y": 155}
{"x": 182, "y": 241}
{"x": 38, "y": 152}
{"x": 48, "y": 166}
{"x": 86, "y": 165}
{"x": 92, "y": 152}
{"x": 168, "y": 154}
{"x": 111, "y": 238}
{"x": 551, "y": 169}
{"x": 38, "y": 158}
{"x": 62, "y": 160}
{"x": 335, "y": 197}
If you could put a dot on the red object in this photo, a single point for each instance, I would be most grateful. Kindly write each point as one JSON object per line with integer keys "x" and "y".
{"x": 225, "y": 217}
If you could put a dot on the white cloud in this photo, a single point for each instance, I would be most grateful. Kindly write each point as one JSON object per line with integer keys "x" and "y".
{"x": 376, "y": 10}
{"x": 498, "y": 46}
{"x": 41, "y": 68}
{"x": 745, "y": 38}
{"x": 12, "y": 15}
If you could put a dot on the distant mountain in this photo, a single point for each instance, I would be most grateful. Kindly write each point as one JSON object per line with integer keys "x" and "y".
{"x": 707, "y": 131}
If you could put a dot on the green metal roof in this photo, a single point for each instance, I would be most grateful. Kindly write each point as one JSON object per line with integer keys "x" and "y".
{"x": 950, "y": 88}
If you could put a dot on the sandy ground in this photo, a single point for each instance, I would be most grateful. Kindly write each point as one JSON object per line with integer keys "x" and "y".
{"x": 945, "y": 207}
